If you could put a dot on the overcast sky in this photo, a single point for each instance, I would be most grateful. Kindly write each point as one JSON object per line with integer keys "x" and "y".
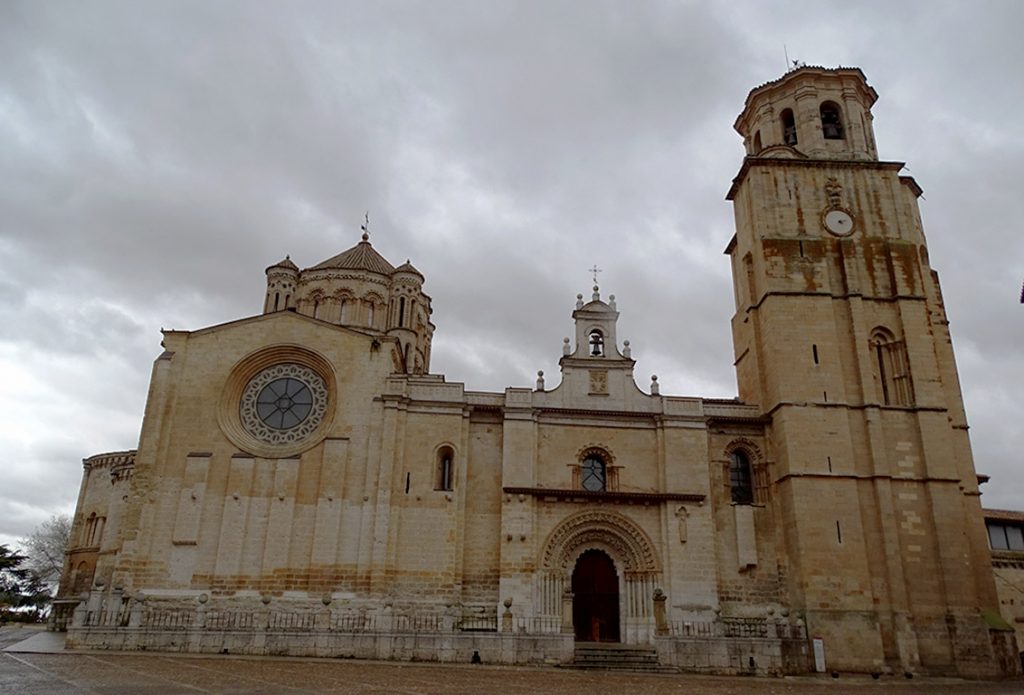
{"x": 156, "y": 157}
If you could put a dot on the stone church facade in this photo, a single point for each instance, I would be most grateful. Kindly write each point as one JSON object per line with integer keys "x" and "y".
{"x": 304, "y": 485}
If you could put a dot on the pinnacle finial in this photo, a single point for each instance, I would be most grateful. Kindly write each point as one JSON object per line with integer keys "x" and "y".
{"x": 365, "y": 226}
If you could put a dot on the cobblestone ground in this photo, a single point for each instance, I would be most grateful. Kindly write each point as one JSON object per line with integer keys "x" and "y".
{"x": 117, "y": 674}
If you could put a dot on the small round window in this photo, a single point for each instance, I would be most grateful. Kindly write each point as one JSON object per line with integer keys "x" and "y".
{"x": 283, "y": 404}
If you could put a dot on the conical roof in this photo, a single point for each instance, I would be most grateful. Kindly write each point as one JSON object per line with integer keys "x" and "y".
{"x": 408, "y": 267}
{"x": 286, "y": 263}
{"x": 362, "y": 256}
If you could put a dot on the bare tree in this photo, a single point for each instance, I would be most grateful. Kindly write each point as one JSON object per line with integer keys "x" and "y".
{"x": 45, "y": 547}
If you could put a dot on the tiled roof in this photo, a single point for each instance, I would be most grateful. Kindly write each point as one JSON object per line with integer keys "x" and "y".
{"x": 1002, "y": 515}
{"x": 408, "y": 267}
{"x": 360, "y": 257}
{"x": 286, "y": 263}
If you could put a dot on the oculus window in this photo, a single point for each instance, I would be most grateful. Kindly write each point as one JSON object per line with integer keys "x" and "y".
{"x": 283, "y": 404}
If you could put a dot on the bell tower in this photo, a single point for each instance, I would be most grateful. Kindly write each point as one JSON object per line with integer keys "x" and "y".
{"x": 841, "y": 338}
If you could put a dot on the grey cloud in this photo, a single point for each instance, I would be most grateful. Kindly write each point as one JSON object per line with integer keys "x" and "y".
{"x": 156, "y": 157}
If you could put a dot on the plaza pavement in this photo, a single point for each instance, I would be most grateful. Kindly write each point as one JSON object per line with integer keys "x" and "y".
{"x": 33, "y": 662}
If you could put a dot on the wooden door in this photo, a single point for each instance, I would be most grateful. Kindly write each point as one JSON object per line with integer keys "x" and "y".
{"x": 595, "y": 603}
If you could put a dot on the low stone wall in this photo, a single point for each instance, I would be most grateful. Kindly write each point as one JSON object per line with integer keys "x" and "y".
{"x": 276, "y": 627}
{"x": 735, "y": 655}
{"x": 297, "y": 628}
{"x": 493, "y": 648}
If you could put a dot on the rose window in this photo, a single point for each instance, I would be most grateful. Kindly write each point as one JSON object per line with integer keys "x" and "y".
{"x": 283, "y": 404}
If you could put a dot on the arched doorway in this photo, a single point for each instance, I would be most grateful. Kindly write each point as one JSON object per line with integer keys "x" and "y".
{"x": 595, "y": 603}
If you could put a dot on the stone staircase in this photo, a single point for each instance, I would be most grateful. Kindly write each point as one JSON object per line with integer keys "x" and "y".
{"x": 617, "y": 657}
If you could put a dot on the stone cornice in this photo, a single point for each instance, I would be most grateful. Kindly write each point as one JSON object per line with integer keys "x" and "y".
{"x": 1010, "y": 559}
{"x": 561, "y": 494}
{"x": 871, "y": 476}
{"x": 751, "y": 162}
{"x": 110, "y": 459}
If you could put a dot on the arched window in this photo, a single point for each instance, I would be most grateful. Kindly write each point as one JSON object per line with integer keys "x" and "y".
{"x": 788, "y": 127}
{"x": 401, "y": 312}
{"x": 369, "y": 315}
{"x": 831, "y": 121}
{"x": 594, "y": 473}
{"x": 596, "y": 343}
{"x": 757, "y": 142}
{"x": 891, "y": 368}
{"x": 277, "y": 300}
{"x": 445, "y": 468}
{"x": 741, "y": 479}
{"x": 344, "y": 310}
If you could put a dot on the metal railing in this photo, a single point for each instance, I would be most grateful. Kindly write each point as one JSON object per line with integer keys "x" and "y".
{"x": 477, "y": 623}
{"x": 305, "y": 619}
{"x": 743, "y": 628}
{"x": 167, "y": 618}
{"x": 537, "y": 625}
{"x": 147, "y": 615}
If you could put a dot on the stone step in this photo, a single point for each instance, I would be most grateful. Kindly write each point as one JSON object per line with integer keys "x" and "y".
{"x": 617, "y": 657}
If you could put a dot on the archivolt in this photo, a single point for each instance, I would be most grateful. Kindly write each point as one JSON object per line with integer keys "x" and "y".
{"x": 614, "y": 531}
{"x": 747, "y": 445}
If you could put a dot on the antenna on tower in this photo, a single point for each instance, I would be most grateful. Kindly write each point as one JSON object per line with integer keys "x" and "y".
{"x": 786, "y": 52}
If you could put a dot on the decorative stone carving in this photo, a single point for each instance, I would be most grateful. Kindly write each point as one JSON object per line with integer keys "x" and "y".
{"x": 597, "y": 448}
{"x": 623, "y": 537}
{"x": 309, "y": 413}
{"x": 834, "y": 192}
{"x": 747, "y": 445}
{"x": 681, "y": 515}
{"x": 238, "y": 413}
